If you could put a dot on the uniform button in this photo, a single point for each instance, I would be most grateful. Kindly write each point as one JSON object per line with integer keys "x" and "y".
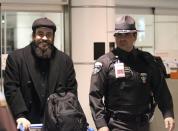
{"x": 29, "y": 82}
{"x": 122, "y": 85}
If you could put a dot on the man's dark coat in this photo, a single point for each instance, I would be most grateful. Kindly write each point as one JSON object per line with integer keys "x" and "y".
{"x": 22, "y": 84}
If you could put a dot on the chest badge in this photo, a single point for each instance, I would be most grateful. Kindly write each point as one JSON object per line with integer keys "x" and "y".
{"x": 143, "y": 76}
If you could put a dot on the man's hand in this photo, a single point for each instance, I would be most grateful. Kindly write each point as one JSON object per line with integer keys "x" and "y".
{"x": 105, "y": 128}
{"x": 169, "y": 123}
{"x": 23, "y": 122}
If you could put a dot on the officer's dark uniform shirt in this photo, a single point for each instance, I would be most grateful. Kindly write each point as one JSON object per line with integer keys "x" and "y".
{"x": 130, "y": 90}
{"x": 130, "y": 94}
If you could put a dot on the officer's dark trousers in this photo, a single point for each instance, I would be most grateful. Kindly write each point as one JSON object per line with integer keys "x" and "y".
{"x": 120, "y": 125}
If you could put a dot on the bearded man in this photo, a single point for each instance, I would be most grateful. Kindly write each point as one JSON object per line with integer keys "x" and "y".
{"x": 36, "y": 71}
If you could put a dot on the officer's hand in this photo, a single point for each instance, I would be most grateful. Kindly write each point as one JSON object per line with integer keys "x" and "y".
{"x": 23, "y": 122}
{"x": 105, "y": 128}
{"x": 169, "y": 123}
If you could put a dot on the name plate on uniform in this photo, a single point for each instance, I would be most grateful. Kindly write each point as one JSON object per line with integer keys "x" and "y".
{"x": 119, "y": 70}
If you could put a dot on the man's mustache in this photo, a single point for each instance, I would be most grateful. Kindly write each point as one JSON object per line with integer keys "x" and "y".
{"x": 44, "y": 45}
{"x": 43, "y": 49}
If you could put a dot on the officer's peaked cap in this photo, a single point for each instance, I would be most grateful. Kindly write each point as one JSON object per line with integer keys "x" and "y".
{"x": 43, "y": 22}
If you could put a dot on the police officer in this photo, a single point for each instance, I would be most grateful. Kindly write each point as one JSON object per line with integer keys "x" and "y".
{"x": 124, "y": 83}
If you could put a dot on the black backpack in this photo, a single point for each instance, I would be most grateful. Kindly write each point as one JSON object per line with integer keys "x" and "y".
{"x": 64, "y": 113}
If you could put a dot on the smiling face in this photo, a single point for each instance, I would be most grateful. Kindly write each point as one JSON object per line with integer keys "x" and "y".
{"x": 44, "y": 42}
{"x": 125, "y": 41}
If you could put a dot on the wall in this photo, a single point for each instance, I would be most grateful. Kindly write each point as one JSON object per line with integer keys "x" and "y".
{"x": 166, "y": 32}
{"x": 89, "y": 24}
{"x": 148, "y": 3}
{"x": 36, "y": 1}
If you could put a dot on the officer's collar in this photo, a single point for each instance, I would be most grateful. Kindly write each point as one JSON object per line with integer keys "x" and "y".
{"x": 119, "y": 52}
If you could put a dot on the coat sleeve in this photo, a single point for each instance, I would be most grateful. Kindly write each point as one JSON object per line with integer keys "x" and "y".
{"x": 97, "y": 91}
{"x": 12, "y": 87}
{"x": 161, "y": 92}
{"x": 71, "y": 82}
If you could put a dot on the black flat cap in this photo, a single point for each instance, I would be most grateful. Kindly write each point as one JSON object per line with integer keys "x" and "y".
{"x": 43, "y": 22}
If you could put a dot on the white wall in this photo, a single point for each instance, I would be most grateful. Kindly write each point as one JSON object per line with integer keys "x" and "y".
{"x": 36, "y": 1}
{"x": 89, "y": 25}
{"x": 148, "y": 3}
{"x": 166, "y": 32}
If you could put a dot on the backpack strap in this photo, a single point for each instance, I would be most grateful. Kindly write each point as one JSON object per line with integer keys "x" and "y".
{"x": 151, "y": 61}
{"x": 154, "y": 61}
{"x": 146, "y": 56}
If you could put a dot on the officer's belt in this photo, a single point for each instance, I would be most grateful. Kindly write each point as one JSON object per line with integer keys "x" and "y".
{"x": 130, "y": 117}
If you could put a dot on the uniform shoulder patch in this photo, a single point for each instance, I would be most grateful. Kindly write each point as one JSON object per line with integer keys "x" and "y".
{"x": 97, "y": 67}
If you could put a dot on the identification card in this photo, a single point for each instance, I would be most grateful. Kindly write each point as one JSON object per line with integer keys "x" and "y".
{"x": 119, "y": 70}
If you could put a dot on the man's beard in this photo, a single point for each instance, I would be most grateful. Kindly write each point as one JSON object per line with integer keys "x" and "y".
{"x": 43, "y": 49}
